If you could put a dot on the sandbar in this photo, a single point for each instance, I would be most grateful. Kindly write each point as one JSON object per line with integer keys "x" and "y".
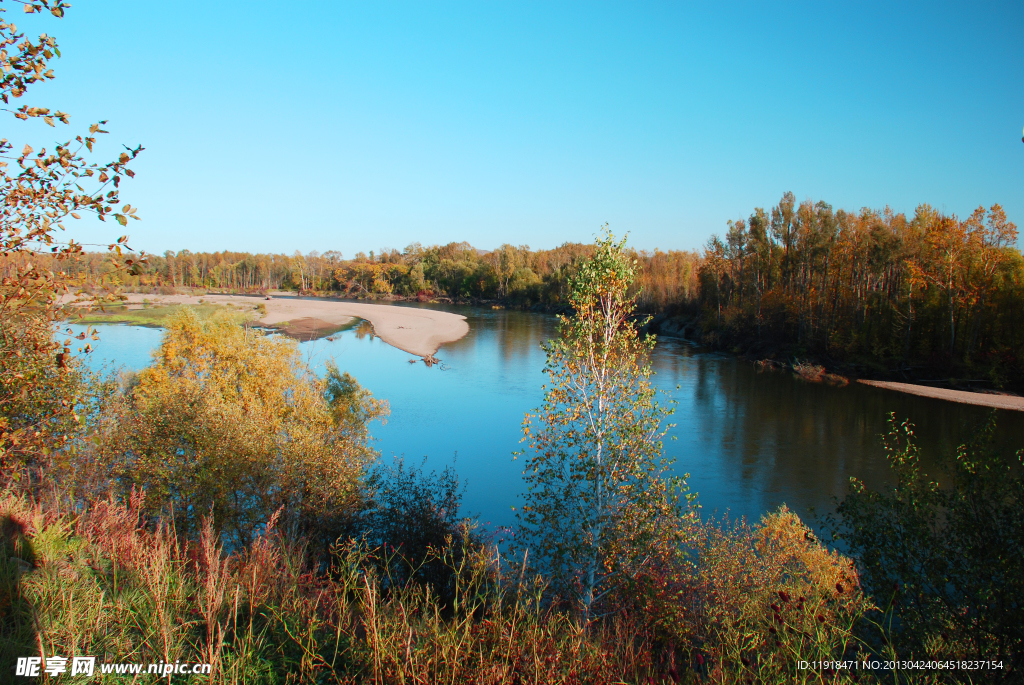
{"x": 982, "y": 399}
{"x": 416, "y": 331}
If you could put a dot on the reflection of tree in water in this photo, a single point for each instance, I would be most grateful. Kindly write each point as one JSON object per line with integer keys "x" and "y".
{"x": 787, "y": 440}
{"x": 365, "y": 328}
{"x": 519, "y": 334}
{"x": 515, "y": 335}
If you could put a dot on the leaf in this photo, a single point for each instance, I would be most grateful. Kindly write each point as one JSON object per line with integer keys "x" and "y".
{"x": 121, "y": 219}
{"x": 27, "y": 150}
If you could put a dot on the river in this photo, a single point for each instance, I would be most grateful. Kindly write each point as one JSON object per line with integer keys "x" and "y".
{"x": 751, "y": 440}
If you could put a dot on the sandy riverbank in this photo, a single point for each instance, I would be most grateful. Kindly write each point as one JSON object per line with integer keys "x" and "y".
{"x": 416, "y": 331}
{"x": 982, "y": 399}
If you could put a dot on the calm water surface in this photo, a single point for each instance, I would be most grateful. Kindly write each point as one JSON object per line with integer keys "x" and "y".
{"x": 750, "y": 440}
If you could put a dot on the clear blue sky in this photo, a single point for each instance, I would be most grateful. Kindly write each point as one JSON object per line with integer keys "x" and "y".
{"x": 355, "y": 126}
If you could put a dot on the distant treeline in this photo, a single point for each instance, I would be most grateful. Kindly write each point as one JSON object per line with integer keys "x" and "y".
{"x": 935, "y": 292}
{"x": 928, "y": 294}
{"x": 455, "y": 271}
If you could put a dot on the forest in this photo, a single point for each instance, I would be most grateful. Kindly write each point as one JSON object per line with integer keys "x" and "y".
{"x": 454, "y": 272}
{"x": 931, "y": 294}
{"x": 869, "y": 293}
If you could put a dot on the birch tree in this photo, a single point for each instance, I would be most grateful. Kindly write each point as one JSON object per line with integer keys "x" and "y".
{"x": 598, "y": 507}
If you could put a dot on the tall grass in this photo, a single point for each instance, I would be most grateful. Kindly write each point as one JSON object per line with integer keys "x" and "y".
{"x": 104, "y": 581}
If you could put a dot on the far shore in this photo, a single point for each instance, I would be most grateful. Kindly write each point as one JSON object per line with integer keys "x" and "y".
{"x": 416, "y": 331}
{"x": 981, "y": 399}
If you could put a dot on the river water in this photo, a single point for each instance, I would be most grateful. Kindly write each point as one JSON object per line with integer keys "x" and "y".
{"x": 751, "y": 440}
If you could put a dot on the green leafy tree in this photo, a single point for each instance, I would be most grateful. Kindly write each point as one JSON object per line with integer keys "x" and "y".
{"x": 598, "y": 507}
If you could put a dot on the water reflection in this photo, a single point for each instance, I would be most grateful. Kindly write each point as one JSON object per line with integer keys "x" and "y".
{"x": 751, "y": 439}
{"x": 756, "y": 439}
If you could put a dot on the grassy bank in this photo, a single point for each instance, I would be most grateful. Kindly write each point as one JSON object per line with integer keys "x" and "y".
{"x": 158, "y": 315}
{"x": 108, "y": 582}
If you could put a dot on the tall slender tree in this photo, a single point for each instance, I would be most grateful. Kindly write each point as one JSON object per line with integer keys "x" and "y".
{"x": 598, "y": 506}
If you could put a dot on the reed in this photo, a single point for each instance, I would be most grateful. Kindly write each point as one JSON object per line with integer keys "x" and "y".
{"x": 106, "y": 581}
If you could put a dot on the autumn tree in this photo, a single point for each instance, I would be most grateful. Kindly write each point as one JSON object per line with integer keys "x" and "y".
{"x": 228, "y": 421}
{"x": 598, "y": 507}
{"x": 928, "y": 291}
{"x": 39, "y": 191}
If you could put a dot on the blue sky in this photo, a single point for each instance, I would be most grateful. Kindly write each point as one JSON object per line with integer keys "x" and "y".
{"x": 355, "y": 126}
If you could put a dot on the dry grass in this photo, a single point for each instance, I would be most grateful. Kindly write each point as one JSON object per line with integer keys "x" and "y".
{"x": 106, "y": 582}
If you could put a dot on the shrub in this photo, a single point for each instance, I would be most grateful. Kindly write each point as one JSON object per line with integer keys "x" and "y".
{"x": 944, "y": 562}
{"x": 228, "y": 422}
{"x": 766, "y": 596}
{"x": 40, "y": 386}
{"x": 410, "y": 515}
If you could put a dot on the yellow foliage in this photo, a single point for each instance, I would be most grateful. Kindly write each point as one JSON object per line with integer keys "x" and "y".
{"x": 768, "y": 593}
{"x": 229, "y": 419}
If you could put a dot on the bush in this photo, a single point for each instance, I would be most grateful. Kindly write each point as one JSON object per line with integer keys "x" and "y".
{"x": 40, "y": 387}
{"x": 228, "y": 422}
{"x": 944, "y": 562}
{"x": 410, "y": 516}
{"x": 766, "y": 596}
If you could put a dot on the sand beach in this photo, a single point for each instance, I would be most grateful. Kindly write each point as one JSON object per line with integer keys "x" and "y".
{"x": 982, "y": 399}
{"x": 416, "y": 331}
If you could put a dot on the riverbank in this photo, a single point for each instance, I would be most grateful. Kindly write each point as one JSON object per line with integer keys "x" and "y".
{"x": 416, "y": 331}
{"x": 980, "y": 399}
{"x": 814, "y": 369}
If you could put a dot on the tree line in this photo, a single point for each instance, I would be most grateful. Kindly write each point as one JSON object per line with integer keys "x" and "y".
{"x": 923, "y": 296}
{"x": 456, "y": 271}
{"x": 931, "y": 291}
